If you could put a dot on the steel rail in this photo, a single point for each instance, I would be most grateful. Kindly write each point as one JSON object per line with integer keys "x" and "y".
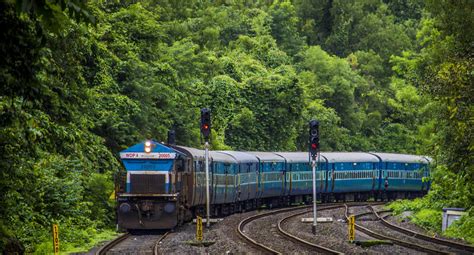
{"x": 104, "y": 249}
{"x": 158, "y": 242}
{"x": 319, "y": 248}
{"x": 370, "y": 213}
{"x": 255, "y": 217}
{"x": 394, "y": 240}
{"x": 240, "y": 227}
{"x": 421, "y": 236}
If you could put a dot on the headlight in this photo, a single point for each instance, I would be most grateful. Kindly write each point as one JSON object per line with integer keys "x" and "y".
{"x": 125, "y": 208}
{"x": 169, "y": 207}
{"x": 148, "y": 146}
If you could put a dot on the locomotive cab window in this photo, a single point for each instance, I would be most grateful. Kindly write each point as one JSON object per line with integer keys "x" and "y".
{"x": 180, "y": 165}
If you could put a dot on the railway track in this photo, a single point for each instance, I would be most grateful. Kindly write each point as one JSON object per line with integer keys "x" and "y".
{"x": 397, "y": 241}
{"x": 452, "y": 244}
{"x": 285, "y": 234}
{"x": 122, "y": 238}
{"x": 259, "y": 246}
{"x": 314, "y": 246}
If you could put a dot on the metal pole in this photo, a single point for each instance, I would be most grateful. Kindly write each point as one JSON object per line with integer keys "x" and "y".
{"x": 208, "y": 210}
{"x": 313, "y": 164}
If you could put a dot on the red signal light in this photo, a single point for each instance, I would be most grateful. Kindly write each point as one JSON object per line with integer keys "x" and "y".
{"x": 314, "y": 146}
{"x": 205, "y": 126}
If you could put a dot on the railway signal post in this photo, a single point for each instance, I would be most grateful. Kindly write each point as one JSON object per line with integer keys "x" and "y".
{"x": 206, "y": 131}
{"x": 313, "y": 150}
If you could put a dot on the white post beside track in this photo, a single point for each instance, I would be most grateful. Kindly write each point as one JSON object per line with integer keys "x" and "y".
{"x": 208, "y": 209}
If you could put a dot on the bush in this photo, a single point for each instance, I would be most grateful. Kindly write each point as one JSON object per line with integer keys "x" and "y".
{"x": 73, "y": 238}
{"x": 429, "y": 216}
{"x": 400, "y": 206}
{"x": 423, "y": 215}
{"x": 428, "y": 219}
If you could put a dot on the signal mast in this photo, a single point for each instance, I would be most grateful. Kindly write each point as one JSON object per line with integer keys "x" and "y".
{"x": 313, "y": 151}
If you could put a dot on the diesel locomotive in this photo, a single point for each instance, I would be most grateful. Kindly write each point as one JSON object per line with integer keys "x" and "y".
{"x": 164, "y": 185}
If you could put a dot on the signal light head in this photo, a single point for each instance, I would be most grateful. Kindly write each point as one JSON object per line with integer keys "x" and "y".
{"x": 313, "y": 138}
{"x": 205, "y": 123}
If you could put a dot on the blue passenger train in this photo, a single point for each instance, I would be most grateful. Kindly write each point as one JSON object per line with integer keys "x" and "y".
{"x": 164, "y": 185}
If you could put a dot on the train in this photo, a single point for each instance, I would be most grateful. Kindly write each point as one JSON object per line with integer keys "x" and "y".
{"x": 164, "y": 185}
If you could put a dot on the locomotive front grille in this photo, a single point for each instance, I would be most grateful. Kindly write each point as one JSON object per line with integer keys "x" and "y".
{"x": 147, "y": 183}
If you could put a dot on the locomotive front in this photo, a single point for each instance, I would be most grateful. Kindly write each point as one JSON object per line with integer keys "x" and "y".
{"x": 150, "y": 198}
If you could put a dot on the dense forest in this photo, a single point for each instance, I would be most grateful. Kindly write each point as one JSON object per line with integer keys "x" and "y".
{"x": 81, "y": 81}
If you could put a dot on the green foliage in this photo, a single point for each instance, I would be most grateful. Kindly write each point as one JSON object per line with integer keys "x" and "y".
{"x": 441, "y": 69}
{"x": 400, "y": 206}
{"x": 427, "y": 213}
{"x": 388, "y": 76}
{"x": 73, "y": 239}
{"x": 430, "y": 219}
{"x": 53, "y": 14}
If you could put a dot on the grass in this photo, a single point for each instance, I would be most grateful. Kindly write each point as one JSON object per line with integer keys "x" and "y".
{"x": 429, "y": 218}
{"x": 87, "y": 239}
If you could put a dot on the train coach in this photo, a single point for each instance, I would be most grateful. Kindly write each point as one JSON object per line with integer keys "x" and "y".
{"x": 165, "y": 185}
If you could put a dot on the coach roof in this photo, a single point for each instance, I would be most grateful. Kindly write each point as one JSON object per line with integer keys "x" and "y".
{"x": 267, "y": 156}
{"x": 401, "y": 158}
{"x": 195, "y": 153}
{"x": 334, "y": 157}
{"x": 221, "y": 157}
{"x": 297, "y": 157}
{"x": 241, "y": 157}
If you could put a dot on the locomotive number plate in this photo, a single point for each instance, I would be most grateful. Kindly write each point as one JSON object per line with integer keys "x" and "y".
{"x": 140, "y": 155}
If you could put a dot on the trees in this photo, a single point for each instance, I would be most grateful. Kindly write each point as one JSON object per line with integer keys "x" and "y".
{"x": 74, "y": 94}
{"x": 444, "y": 69}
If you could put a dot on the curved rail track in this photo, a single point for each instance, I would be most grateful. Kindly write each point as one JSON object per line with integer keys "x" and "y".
{"x": 104, "y": 249}
{"x": 285, "y": 234}
{"x": 259, "y": 246}
{"x": 396, "y": 241}
{"x": 107, "y": 247}
{"x": 454, "y": 245}
{"x": 314, "y": 246}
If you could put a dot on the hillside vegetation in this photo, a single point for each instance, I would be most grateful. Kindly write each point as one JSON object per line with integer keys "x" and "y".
{"x": 82, "y": 81}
